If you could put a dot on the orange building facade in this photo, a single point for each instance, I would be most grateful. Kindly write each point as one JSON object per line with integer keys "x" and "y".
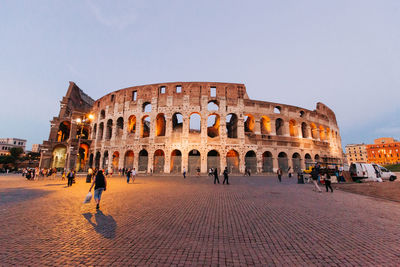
{"x": 384, "y": 151}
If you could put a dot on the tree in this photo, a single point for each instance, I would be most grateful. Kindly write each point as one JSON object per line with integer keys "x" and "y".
{"x": 16, "y": 152}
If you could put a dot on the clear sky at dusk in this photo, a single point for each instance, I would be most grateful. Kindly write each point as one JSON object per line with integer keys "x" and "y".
{"x": 345, "y": 54}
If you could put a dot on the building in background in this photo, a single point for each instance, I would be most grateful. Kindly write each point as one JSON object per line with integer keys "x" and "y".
{"x": 356, "y": 153}
{"x": 7, "y": 143}
{"x": 36, "y": 148}
{"x": 384, "y": 151}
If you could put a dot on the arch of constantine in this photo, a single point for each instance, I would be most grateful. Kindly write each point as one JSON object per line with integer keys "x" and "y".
{"x": 163, "y": 128}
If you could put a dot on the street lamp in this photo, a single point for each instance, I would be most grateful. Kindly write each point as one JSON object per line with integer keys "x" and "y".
{"x": 81, "y": 123}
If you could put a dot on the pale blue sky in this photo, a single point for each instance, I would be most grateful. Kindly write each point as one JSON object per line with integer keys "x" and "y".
{"x": 345, "y": 54}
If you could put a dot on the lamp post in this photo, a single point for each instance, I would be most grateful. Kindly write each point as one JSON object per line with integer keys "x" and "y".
{"x": 81, "y": 123}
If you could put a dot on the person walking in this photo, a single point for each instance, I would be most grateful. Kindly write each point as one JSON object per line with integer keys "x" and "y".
{"x": 279, "y": 173}
{"x": 314, "y": 176}
{"x": 100, "y": 185}
{"x": 328, "y": 181}
{"x": 133, "y": 174}
{"x": 184, "y": 173}
{"x": 226, "y": 177}
{"x": 70, "y": 177}
{"x": 128, "y": 176}
{"x": 216, "y": 176}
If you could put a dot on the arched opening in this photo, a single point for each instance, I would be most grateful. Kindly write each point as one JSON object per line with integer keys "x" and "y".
{"x": 102, "y": 114}
{"x": 177, "y": 123}
{"x": 146, "y": 107}
{"x": 101, "y": 131}
{"x": 63, "y": 131}
{"x": 283, "y": 163}
{"x": 82, "y": 132}
{"x": 267, "y": 162}
{"x": 213, "y": 160}
{"x": 265, "y": 124}
{"x": 321, "y": 133}
{"x": 160, "y": 125}
{"x": 296, "y": 163}
{"x": 314, "y": 131}
{"x": 293, "y": 128}
{"x": 317, "y": 158}
{"x": 120, "y": 126}
{"x": 232, "y": 161}
{"x": 97, "y": 160}
{"x": 91, "y": 159}
{"x": 194, "y": 161}
{"x": 308, "y": 160}
{"x": 279, "y": 126}
{"x": 277, "y": 110}
{"x": 94, "y": 132}
{"x": 231, "y": 125}
{"x": 145, "y": 130}
{"x": 115, "y": 161}
{"x": 82, "y": 157}
{"x": 105, "y": 160}
{"x": 194, "y": 123}
{"x": 249, "y": 123}
{"x": 304, "y": 130}
{"x": 59, "y": 156}
{"x": 129, "y": 158}
{"x": 213, "y": 105}
{"x": 328, "y": 133}
{"x": 213, "y": 123}
{"x": 250, "y": 160}
{"x": 132, "y": 124}
{"x": 158, "y": 161}
{"x": 143, "y": 160}
{"x": 302, "y": 114}
{"x": 109, "y": 129}
{"x": 176, "y": 161}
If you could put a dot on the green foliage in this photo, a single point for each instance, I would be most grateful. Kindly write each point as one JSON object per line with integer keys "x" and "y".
{"x": 393, "y": 168}
{"x": 6, "y": 159}
{"x": 16, "y": 152}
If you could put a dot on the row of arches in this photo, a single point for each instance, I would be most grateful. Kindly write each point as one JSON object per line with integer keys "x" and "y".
{"x": 194, "y": 161}
{"x": 295, "y": 129}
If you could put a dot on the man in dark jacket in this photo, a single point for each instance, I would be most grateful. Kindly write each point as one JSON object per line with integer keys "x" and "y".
{"x": 216, "y": 176}
{"x": 226, "y": 177}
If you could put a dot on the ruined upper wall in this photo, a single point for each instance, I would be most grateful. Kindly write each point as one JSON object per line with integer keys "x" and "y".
{"x": 194, "y": 90}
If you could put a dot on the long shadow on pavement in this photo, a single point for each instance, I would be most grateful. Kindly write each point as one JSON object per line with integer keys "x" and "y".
{"x": 15, "y": 195}
{"x": 104, "y": 224}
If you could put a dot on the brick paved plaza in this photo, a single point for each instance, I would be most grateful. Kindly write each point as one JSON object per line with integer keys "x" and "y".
{"x": 171, "y": 221}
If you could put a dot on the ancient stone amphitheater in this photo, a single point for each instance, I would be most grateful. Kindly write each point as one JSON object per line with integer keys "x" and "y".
{"x": 163, "y": 128}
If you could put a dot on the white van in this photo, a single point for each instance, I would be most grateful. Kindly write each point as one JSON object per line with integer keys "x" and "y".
{"x": 370, "y": 172}
{"x": 385, "y": 173}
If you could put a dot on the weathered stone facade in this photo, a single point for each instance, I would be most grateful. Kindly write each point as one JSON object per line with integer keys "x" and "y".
{"x": 234, "y": 131}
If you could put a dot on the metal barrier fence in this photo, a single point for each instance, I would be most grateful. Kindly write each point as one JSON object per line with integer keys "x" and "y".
{"x": 251, "y": 163}
{"x": 267, "y": 164}
{"x": 176, "y": 164}
{"x": 158, "y": 166}
{"x": 213, "y": 162}
{"x": 233, "y": 164}
{"x": 143, "y": 162}
{"x": 283, "y": 164}
{"x": 193, "y": 163}
{"x": 296, "y": 165}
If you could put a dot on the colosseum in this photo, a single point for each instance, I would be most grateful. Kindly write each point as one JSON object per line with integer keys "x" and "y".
{"x": 166, "y": 127}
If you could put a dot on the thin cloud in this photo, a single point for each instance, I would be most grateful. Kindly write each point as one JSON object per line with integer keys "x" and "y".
{"x": 119, "y": 21}
{"x": 395, "y": 130}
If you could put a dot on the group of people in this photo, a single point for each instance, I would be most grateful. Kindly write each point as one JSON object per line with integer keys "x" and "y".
{"x": 130, "y": 174}
{"x": 35, "y": 173}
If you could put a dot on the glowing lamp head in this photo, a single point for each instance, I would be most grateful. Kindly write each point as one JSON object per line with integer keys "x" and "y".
{"x": 78, "y": 120}
{"x": 91, "y": 117}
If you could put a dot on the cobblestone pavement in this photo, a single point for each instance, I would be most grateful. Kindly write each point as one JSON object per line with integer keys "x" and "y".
{"x": 171, "y": 221}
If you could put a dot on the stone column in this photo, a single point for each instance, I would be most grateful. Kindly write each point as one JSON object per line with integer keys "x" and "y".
{"x": 273, "y": 127}
{"x": 167, "y": 161}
